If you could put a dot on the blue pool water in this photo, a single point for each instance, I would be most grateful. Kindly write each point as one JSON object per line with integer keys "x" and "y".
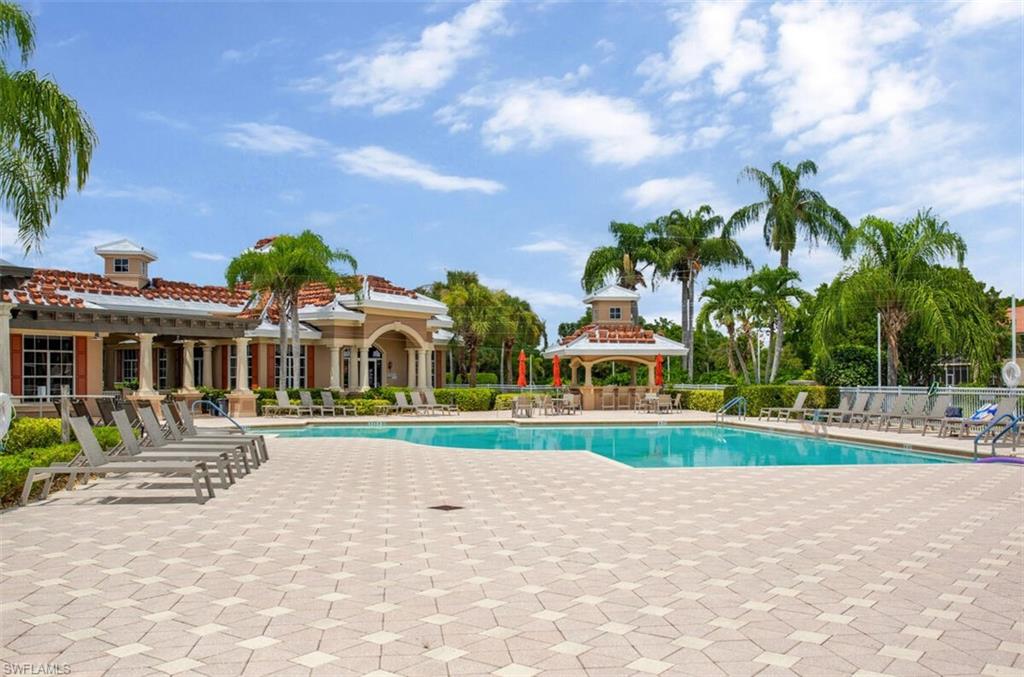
{"x": 637, "y": 446}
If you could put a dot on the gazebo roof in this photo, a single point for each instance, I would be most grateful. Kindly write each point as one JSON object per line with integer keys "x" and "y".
{"x": 612, "y": 292}
{"x": 612, "y": 340}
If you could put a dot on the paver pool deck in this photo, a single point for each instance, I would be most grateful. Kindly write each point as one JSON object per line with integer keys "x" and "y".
{"x": 330, "y": 561}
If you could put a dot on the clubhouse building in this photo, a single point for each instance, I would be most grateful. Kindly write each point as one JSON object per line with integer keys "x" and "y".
{"x": 95, "y": 332}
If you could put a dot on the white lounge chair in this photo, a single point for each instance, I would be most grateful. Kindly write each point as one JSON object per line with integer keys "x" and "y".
{"x": 189, "y": 428}
{"x": 96, "y": 462}
{"x": 306, "y": 402}
{"x": 332, "y": 407}
{"x": 401, "y": 405}
{"x": 176, "y": 435}
{"x": 157, "y": 439}
{"x": 417, "y": 401}
{"x": 443, "y": 408}
{"x": 798, "y": 406}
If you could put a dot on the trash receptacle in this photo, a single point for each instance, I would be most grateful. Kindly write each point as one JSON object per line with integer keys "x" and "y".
{"x": 223, "y": 404}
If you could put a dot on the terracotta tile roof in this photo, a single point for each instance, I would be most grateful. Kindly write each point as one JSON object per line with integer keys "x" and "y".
{"x": 611, "y": 333}
{"x": 51, "y": 287}
{"x": 1020, "y": 317}
{"x": 320, "y": 295}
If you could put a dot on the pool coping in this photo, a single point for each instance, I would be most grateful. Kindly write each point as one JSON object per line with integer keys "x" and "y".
{"x": 906, "y": 447}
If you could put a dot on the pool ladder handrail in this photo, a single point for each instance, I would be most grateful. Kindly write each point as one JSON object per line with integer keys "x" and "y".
{"x": 739, "y": 402}
{"x": 219, "y": 410}
{"x": 1012, "y": 425}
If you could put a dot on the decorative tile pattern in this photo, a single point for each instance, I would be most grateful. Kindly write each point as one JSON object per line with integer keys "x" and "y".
{"x": 328, "y": 561}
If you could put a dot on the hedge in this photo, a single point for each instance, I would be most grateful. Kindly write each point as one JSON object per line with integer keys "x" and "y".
{"x": 38, "y": 433}
{"x": 467, "y": 399}
{"x": 761, "y": 396}
{"x": 14, "y": 467}
{"x": 366, "y": 407}
{"x": 705, "y": 400}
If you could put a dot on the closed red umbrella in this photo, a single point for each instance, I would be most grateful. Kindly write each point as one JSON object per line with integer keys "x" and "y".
{"x": 556, "y": 371}
{"x": 521, "y": 381}
{"x": 659, "y": 375}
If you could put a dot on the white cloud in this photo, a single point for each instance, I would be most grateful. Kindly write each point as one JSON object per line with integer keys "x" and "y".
{"x": 545, "y": 246}
{"x": 271, "y": 139}
{"x": 712, "y": 36}
{"x": 536, "y": 115}
{"x": 166, "y": 120}
{"x": 207, "y": 256}
{"x": 538, "y": 298}
{"x": 400, "y": 75}
{"x": 969, "y": 15}
{"x": 380, "y": 163}
{"x": 239, "y": 56}
{"x": 65, "y": 247}
{"x": 680, "y": 192}
{"x": 827, "y": 62}
{"x": 132, "y": 192}
{"x": 972, "y": 186}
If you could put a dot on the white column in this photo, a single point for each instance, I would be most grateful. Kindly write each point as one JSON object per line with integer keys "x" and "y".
{"x": 241, "y": 365}
{"x": 586, "y": 370}
{"x": 335, "y": 367}
{"x": 364, "y": 368}
{"x": 188, "y": 377}
{"x": 146, "y": 364}
{"x": 421, "y": 377}
{"x": 350, "y": 368}
{"x": 5, "y": 348}
{"x": 410, "y": 369}
{"x": 208, "y": 363}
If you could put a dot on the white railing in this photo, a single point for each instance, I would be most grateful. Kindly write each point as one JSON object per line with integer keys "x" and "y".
{"x": 509, "y": 388}
{"x": 695, "y": 386}
{"x": 967, "y": 398}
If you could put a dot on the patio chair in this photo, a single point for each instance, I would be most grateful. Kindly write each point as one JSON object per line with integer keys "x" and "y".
{"x": 96, "y": 462}
{"x": 624, "y": 399}
{"x": 522, "y": 407}
{"x": 913, "y": 409}
{"x": 82, "y": 410}
{"x": 874, "y": 408}
{"x": 935, "y": 416}
{"x": 106, "y": 407}
{"x": 608, "y": 398}
{"x": 329, "y": 405}
{"x": 56, "y": 405}
{"x": 283, "y": 406}
{"x": 896, "y": 409}
{"x": 131, "y": 448}
{"x": 158, "y": 440}
{"x": 663, "y": 405}
{"x": 420, "y": 405}
{"x": 188, "y": 426}
{"x": 306, "y": 402}
{"x": 401, "y": 405}
{"x": 798, "y": 406}
{"x": 964, "y": 425}
{"x": 841, "y": 414}
{"x": 133, "y": 414}
{"x": 179, "y": 433}
{"x": 431, "y": 399}
{"x": 570, "y": 404}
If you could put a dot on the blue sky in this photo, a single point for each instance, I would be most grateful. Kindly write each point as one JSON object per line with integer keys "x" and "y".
{"x": 503, "y": 138}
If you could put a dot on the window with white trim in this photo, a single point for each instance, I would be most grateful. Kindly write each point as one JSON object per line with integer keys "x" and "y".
{"x": 120, "y": 265}
{"x": 161, "y": 369}
{"x": 198, "y": 355}
{"x": 288, "y": 370}
{"x": 615, "y": 313}
{"x": 129, "y": 364}
{"x": 48, "y": 363}
{"x": 232, "y": 364}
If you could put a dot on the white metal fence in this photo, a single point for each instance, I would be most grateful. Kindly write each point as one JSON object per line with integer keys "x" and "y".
{"x": 968, "y": 399}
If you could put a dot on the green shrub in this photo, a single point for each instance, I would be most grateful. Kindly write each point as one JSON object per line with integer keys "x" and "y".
{"x": 762, "y": 396}
{"x": 684, "y": 398}
{"x": 14, "y": 467}
{"x": 705, "y": 400}
{"x": 384, "y": 393}
{"x": 365, "y": 407}
{"x": 483, "y": 378}
{"x": 29, "y": 433}
{"x": 467, "y": 399}
{"x": 848, "y": 365}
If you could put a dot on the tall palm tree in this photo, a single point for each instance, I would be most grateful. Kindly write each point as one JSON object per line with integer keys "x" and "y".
{"x": 280, "y": 271}
{"x": 723, "y": 301}
{"x": 686, "y": 243}
{"x": 789, "y": 209}
{"x": 900, "y": 277}
{"x": 46, "y": 141}
{"x": 774, "y": 293}
{"x": 472, "y": 309}
{"x": 624, "y": 262}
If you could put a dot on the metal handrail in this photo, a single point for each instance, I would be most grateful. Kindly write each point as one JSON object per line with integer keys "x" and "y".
{"x": 219, "y": 410}
{"x": 739, "y": 402}
{"x": 1011, "y": 426}
{"x": 977, "y": 438}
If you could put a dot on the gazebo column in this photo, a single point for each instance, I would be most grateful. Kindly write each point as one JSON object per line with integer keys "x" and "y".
{"x": 587, "y": 391}
{"x": 632, "y": 375}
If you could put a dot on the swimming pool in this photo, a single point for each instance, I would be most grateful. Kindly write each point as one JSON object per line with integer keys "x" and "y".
{"x": 637, "y": 446}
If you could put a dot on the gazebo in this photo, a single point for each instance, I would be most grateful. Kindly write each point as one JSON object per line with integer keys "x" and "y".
{"x": 612, "y": 336}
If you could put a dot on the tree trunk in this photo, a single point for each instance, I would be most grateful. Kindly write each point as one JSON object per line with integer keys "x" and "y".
{"x": 778, "y": 346}
{"x": 754, "y": 354}
{"x": 689, "y": 328}
{"x": 784, "y": 259}
{"x": 685, "y": 319}
{"x": 295, "y": 341}
{"x": 282, "y": 346}
{"x": 892, "y": 358}
{"x": 472, "y": 364}
{"x": 729, "y": 351}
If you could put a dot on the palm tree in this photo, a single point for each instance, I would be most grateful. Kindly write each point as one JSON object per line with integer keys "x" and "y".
{"x": 625, "y": 261}
{"x": 685, "y": 244}
{"x": 723, "y": 301}
{"x": 280, "y": 271}
{"x": 899, "y": 276}
{"x": 46, "y": 141}
{"x": 773, "y": 296}
{"x": 788, "y": 208}
{"x": 472, "y": 309}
